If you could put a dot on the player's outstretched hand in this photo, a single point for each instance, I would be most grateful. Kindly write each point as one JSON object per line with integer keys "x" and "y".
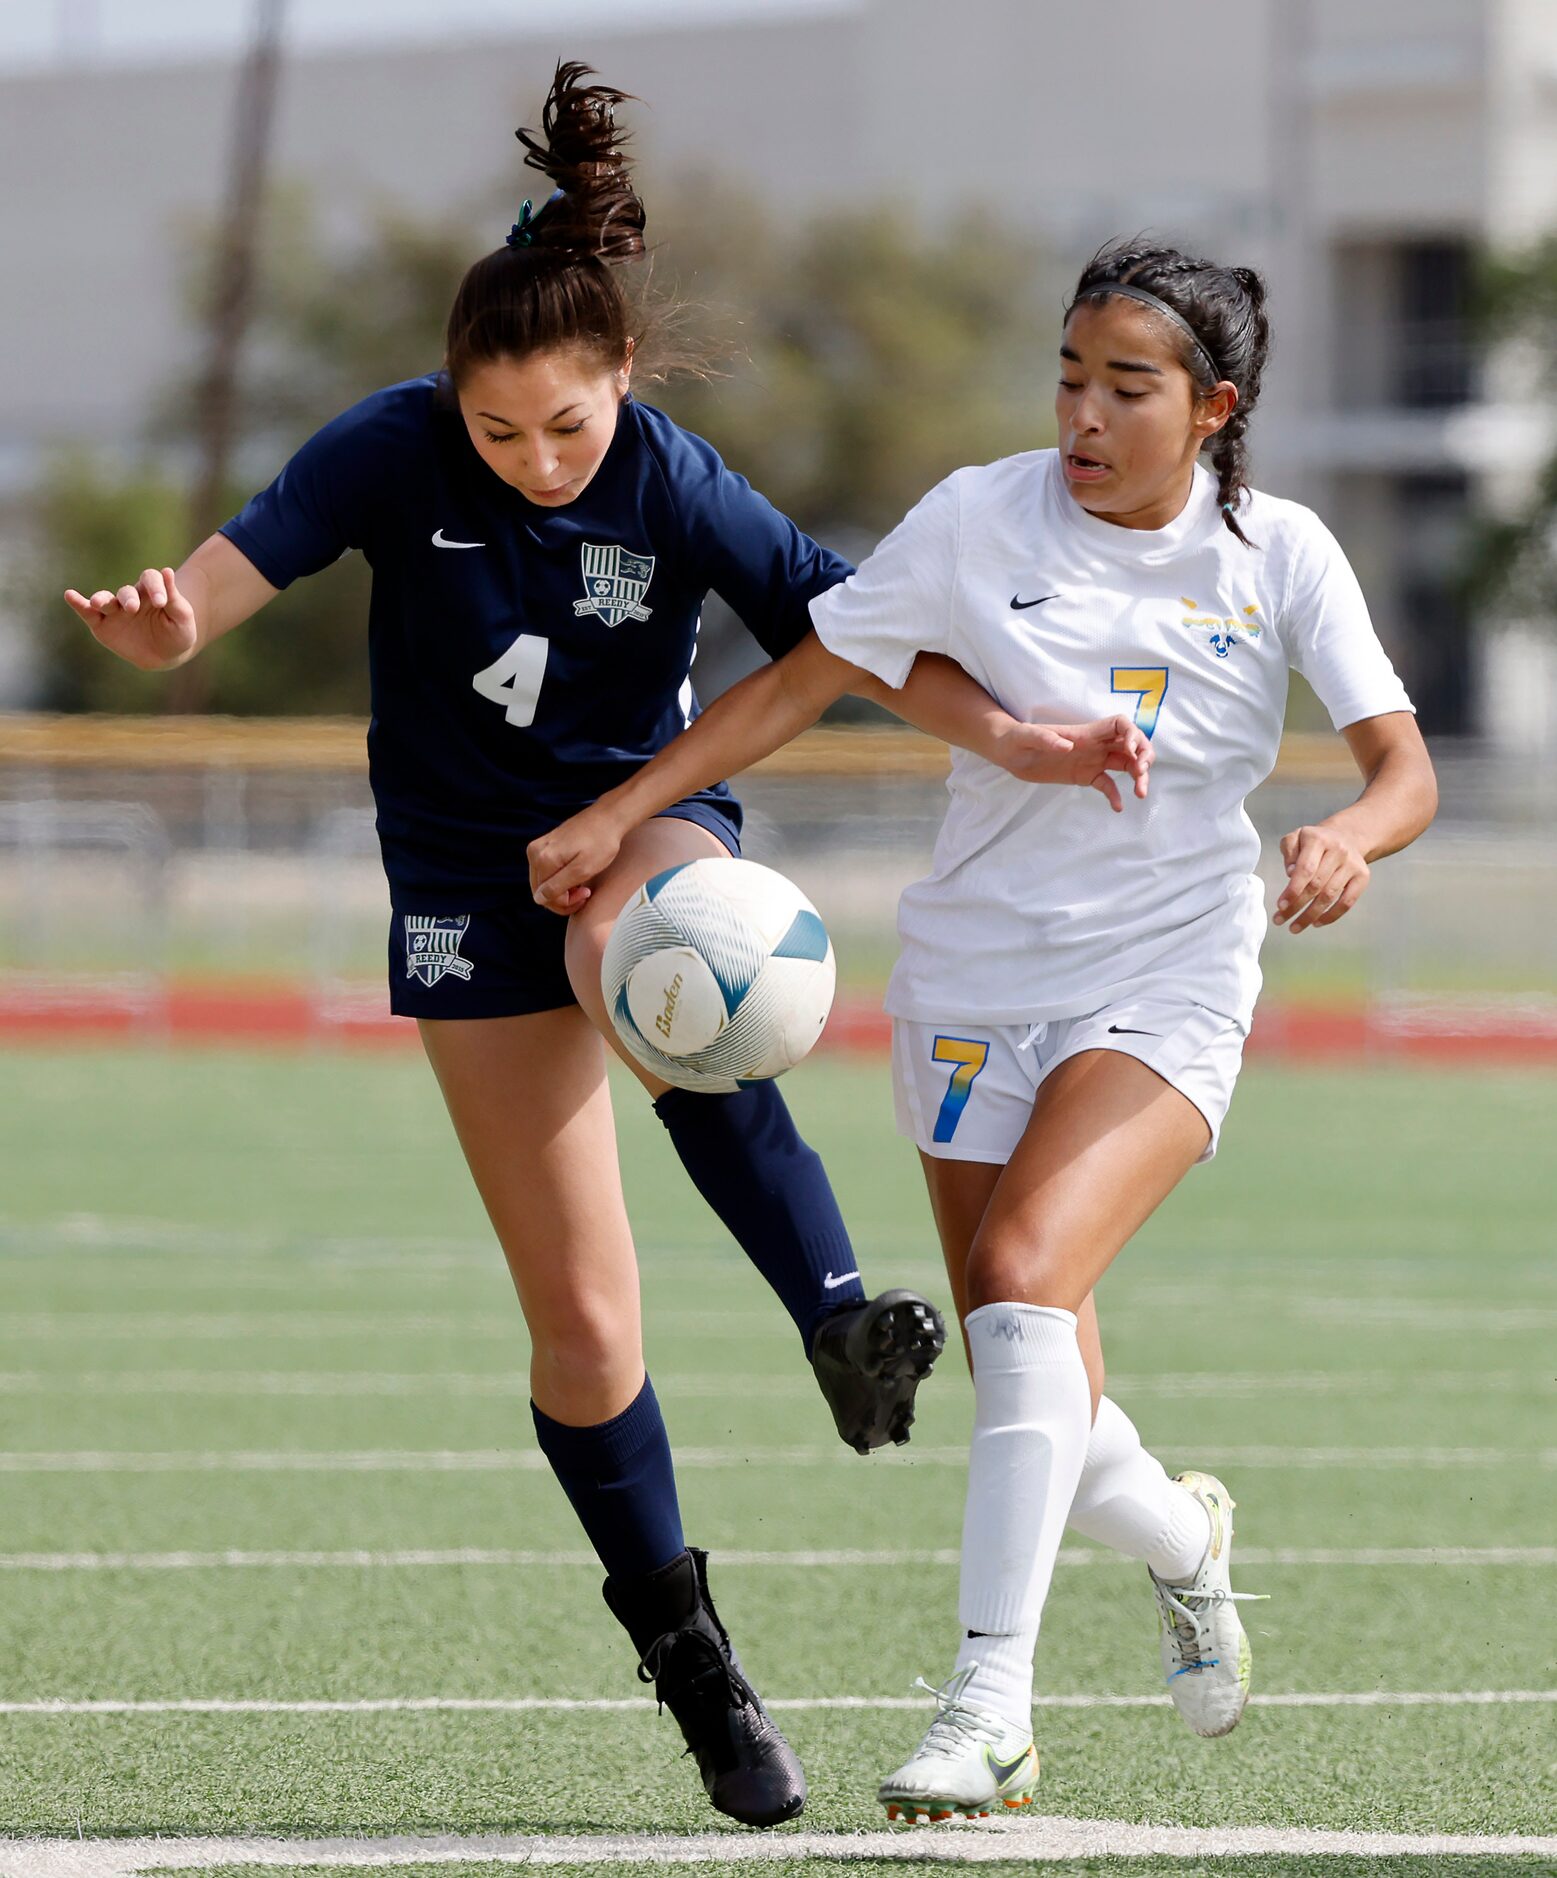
{"x": 1082, "y": 754}
{"x": 151, "y": 625}
{"x": 1326, "y": 876}
{"x": 563, "y": 863}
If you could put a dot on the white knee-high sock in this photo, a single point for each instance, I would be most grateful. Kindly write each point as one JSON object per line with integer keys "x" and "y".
{"x": 1032, "y": 1408}
{"x": 1126, "y": 1500}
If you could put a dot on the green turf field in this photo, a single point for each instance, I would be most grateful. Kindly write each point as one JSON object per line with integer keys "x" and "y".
{"x": 251, "y": 1307}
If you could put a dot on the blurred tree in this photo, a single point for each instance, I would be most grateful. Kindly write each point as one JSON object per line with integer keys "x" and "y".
{"x": 858, "y": 362}
{"x": 330, "y": 325}
{"x": 336, "y": 320}
{"x": 1513, "y": 558}
{"x": 873, "y": 358}
{"x": 97, "y": 527}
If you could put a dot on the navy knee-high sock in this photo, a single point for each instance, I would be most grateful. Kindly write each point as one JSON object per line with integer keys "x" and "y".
{"x": 751, "y": 1166}
{"x": 619, "y": 1478}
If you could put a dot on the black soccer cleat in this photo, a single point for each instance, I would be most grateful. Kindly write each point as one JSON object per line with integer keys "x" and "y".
{"x": 870, "y": 1358}
{"x": 749, "y": 1770}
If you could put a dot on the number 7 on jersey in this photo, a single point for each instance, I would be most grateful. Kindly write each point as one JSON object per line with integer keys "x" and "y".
{"x": 1150, "y": 685}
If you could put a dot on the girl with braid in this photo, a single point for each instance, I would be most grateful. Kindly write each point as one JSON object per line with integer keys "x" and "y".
{"x": 1074, "y": 988}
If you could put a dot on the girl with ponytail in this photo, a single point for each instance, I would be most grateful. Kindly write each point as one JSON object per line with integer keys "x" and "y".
{"x": 1074, "y": 989}
{"x": 541, "y": 544}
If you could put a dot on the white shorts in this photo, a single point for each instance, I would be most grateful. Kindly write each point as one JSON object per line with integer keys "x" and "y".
{"x": 964, "y": 1092}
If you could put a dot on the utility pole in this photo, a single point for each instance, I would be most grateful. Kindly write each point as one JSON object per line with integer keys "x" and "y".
{"x": 232, "y": 296}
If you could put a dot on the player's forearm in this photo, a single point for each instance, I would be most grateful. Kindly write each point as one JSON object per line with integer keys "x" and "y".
{"x": 752, "y": 719}
{"x": 939, "y": 698}
{"x": 1397, "y": 804}
{"x": 224, "y": 587}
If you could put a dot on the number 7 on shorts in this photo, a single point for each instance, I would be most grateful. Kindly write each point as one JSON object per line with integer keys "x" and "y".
{"x": 967, "y": 1057}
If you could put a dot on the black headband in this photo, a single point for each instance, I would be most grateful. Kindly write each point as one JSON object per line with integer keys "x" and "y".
{"x": 1102, "y": 287}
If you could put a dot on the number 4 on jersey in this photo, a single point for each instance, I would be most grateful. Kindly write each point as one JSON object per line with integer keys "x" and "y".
{"x": 1150, "y": 684}
{"x": 515, "y": 679}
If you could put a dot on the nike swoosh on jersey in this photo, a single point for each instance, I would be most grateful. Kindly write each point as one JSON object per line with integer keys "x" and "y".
{"x": 440, "y": 541}
{"x": 1021, "y": 606}
{"x": 1003, "y": 1770}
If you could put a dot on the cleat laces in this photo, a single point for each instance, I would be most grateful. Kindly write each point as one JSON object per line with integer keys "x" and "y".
{"x": 956, "y": 1726}
{"x": 1187, "y": 1628}
{"x": 699, "y": 1660}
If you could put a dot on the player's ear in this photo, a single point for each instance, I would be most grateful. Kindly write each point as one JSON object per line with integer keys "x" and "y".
{"x": 1215, "y": 407}
{"x": 624, "y": 371}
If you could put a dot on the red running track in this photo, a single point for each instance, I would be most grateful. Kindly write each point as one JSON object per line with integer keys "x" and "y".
{"x": 288, "y": 1015}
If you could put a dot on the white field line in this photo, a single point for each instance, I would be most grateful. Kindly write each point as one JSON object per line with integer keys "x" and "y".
{"x": 355, "y": 1383}
{"x": 1446, "y": 1314}
{"x": 1191, "y": 1386}
{"x": 634, "y": 1704}
{"x": 95, "y": 1232}
{"x": 478, "y": 1322}
{"x": 1028, "y": 1841}
{"x": 527, "y": 1460}
{"x": 1071, "y": 1557}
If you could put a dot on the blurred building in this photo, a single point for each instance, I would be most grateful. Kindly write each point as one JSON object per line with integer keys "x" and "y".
{"x": 1358, "y": 154}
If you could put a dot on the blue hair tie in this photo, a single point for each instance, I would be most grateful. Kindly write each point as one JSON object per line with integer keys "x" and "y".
{"x": 519, "y": 235}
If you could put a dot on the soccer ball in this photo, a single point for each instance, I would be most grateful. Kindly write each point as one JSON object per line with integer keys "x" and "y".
{"x": 718, "y": 973}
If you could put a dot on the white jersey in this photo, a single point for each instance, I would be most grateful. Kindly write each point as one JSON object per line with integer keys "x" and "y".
{"x": 1041, "y": 902}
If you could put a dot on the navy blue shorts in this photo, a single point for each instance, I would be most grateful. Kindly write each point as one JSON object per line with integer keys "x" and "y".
{"x": 506, "y": 961}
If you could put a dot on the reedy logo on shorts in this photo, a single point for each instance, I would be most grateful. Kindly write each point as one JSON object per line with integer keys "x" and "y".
{"x": 432, "y": 946}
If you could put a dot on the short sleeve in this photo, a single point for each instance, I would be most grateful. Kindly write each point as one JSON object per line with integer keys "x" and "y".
{"x": 323, "y": 502}
{"x": 1329, "y": 636}
{"x": 739, "y": 545}
{"x": 898, "y": 602}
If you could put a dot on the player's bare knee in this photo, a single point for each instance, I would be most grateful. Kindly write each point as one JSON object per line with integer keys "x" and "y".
{"x": 1001, "y": 1272}
{"x": 589, "y": 1346}
{"x": 583, "y": 952}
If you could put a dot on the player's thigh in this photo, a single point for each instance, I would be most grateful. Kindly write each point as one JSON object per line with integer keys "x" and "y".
{"x": 1107, "y": 1141}
{"x": 960, "y": 1193}
{"x": 667, "y": 841}
{"x": 530, "y": 1105}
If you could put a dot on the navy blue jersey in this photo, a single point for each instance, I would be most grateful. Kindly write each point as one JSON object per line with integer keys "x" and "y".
{"x": 523, "y": 660}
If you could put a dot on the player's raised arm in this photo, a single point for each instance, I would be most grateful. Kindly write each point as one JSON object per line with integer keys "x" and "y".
{"x": 941, "y": 699}
{"x": 751, "y": 720}
{"x": 775, "y": 703}
{"x": 163, "y": 619}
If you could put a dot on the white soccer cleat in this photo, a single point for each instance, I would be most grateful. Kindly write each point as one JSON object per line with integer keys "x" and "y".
{"x": 1206, "y": 1660}
{"x": 971, "y": 1763}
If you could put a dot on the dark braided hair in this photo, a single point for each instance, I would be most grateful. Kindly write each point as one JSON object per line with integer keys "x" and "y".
{"x": 557, "y": 280}
{"x": 1224, "y": 307}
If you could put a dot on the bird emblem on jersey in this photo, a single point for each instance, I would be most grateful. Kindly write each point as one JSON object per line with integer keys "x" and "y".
{"x": 614, "y": 584}
{"x": 1222, "y": 631}
{"x": 432, "y": 947}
